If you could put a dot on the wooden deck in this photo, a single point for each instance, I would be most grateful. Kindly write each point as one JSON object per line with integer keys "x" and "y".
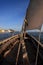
{"x": 16, "y": 51}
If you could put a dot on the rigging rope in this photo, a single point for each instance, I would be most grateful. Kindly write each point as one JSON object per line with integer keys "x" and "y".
{"x": 18, "y": 54}
{"x": 37, "y": 49}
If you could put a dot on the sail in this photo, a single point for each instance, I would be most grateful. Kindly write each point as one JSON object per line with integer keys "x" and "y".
{"x": 34, "y": 14}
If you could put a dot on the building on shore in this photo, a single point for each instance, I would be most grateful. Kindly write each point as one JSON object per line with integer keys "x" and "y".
{"x": 5, "y": 31}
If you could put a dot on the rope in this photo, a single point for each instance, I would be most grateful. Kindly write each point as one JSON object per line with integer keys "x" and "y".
{"x": 18, "y": 54}
{"x": 37, "y": 50}
{"x": 37, "y": 55}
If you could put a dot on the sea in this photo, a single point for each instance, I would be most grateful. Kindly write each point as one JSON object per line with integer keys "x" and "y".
{"x": 4, "y": 36}
{"x": 35, "y": 34}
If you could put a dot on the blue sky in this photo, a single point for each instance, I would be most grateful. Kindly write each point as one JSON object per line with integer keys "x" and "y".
{"x": 12, "y": 13}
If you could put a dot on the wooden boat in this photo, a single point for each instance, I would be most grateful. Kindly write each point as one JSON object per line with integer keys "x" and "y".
{"x": 28, "y": 56}
{"x": 25, "y": 49}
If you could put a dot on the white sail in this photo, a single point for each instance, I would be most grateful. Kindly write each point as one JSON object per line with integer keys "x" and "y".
{"x": 34, "y": 14}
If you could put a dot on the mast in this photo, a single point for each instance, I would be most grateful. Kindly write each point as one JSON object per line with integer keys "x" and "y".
{"x": 34, "y": 18}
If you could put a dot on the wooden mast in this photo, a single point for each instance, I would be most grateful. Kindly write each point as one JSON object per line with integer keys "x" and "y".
{"x": 34, "y": 18}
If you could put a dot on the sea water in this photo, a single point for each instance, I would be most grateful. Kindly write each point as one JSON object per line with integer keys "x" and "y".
{"x": 7, "y": 35}
{"x": 36, "y": 35}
